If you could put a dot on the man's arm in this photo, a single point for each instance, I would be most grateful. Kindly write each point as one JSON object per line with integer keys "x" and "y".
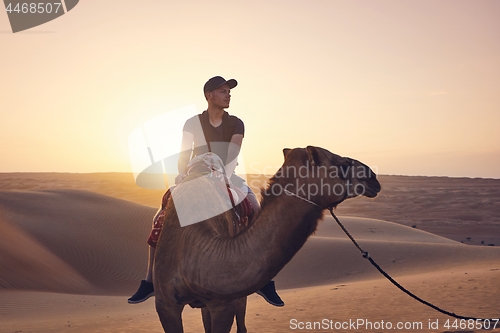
{"x": 186, "y": 150}
{"x": 233, "y": 152}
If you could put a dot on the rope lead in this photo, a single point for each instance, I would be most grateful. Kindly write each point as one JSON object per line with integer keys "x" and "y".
{"x": 394, "y": 282}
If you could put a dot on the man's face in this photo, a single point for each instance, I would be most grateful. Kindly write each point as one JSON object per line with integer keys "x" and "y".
{"x": 220, "y": 97}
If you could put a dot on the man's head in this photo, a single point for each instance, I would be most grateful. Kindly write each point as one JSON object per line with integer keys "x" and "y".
{"x": 217, "y": 91}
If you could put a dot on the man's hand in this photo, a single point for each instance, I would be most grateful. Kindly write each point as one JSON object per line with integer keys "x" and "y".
{"x": 179, "y": 179}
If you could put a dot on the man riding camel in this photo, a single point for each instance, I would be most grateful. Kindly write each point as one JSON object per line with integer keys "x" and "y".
{"x": 214, "y": 131}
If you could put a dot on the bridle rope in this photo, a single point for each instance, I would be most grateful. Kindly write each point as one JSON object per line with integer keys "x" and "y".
{"x": 302, "y": 198}
{"x": 367, "y": 256}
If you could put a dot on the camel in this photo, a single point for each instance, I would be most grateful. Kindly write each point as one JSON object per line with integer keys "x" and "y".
{"x": 208, "y": 265}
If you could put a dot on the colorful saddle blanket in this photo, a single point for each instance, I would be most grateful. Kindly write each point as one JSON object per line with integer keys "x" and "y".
{"x": 208, "y": 163}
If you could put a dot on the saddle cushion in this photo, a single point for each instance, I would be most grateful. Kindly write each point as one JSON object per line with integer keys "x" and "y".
{"x": 159, "y": 220}
{"x": 244, "y": 211}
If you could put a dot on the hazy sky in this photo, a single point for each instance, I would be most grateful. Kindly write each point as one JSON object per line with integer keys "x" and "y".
{"x": 407, "y": 87}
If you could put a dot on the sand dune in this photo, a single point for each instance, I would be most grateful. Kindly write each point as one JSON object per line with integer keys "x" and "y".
{"x": 100, "y": 237}
{"x": 400, "y": 250}
{"x": 462, "y": 209}
{"x": 70, "y": 258}
{"x": 28, "y": 265}
{"x": 102, "y": 241}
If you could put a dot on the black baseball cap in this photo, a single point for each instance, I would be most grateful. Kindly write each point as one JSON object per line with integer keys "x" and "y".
{"x": 218, "y": 81}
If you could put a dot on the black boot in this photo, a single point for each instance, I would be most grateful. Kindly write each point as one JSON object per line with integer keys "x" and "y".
{"x": 145, "y": 291}
{"x": 270, "y": 295}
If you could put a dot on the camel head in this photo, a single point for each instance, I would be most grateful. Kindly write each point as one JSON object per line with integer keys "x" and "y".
{"x": 325, "y": 178}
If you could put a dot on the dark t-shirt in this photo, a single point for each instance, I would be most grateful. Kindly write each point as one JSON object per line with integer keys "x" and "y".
{"x": 215, "y": 135}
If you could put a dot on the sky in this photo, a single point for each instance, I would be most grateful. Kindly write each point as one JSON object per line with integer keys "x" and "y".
{"x": 406, "y": 87}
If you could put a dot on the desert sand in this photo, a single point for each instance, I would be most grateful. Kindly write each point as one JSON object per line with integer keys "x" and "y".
{"x": 72, "y": 250}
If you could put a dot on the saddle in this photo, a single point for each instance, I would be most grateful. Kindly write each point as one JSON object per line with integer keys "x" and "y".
{"x": 211, "y": 164}
{"x": 203, "y": 165}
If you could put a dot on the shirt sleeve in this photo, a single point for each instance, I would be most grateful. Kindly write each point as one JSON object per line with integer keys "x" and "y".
{"x": 239, "y": 127}
{"x": 189, "y": 125}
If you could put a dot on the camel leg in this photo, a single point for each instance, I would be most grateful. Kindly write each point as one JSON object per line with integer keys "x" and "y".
{"x": 241, "y": 308}
{"x": 207, "y": 320}
{"x": 170, "y": 317}
{"x": 222, "y": 316}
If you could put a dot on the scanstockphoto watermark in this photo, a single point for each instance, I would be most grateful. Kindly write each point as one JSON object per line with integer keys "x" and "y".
{"x": 345, "y": 180}
{"x": 363, "y": 324}
{"x": 309, "y": 171}
{"x": 311, "y": 190}
{"x": 354, "y": 325}
{"x": 154, "y": 150}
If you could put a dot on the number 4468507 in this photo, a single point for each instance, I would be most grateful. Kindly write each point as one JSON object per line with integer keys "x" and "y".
{"x": 34, "y": 8}
{"x": 462, "y": 324}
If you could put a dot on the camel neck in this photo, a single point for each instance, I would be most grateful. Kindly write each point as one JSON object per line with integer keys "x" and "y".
{"x": 259, "y": 253}
{"x": 280, "y": 231}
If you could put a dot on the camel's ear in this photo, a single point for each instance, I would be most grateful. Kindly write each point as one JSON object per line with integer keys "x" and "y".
{"x": 312, "y": 153}
{"x": 286, "y": 151}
